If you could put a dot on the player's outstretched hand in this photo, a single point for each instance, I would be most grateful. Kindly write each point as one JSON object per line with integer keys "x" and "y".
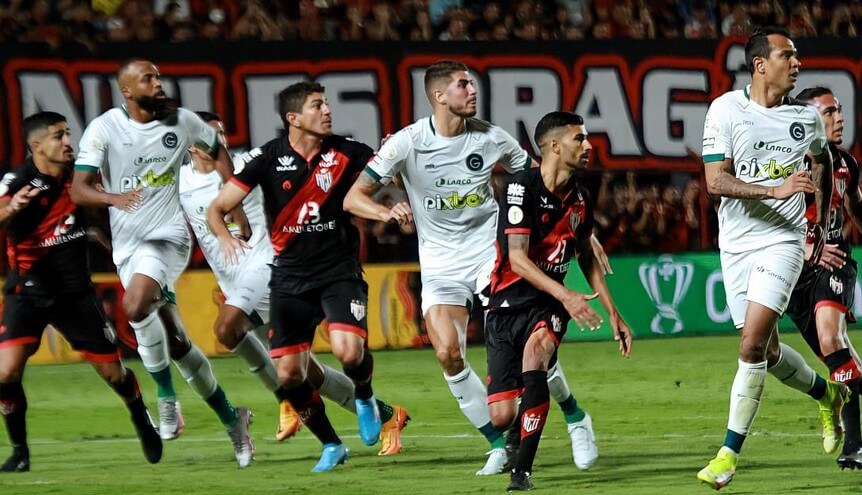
{"x": 232, "y": 248}
{"x": 238, "y": 217}
{"x": 578, "y": 306}
{"x": 129, "y": 200}
{"x": 601, "y": 256}
{"x": 798, "y": 182}
{"x": 622, "y": 334}
{"x": 400, "y": 213}
{"x": 22, "y": 198}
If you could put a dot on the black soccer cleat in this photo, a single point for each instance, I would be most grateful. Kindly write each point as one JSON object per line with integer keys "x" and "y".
{"x": 519, "y": 481}
{"x": 151, "y": 442}
{"x": 18, "y": 462}
{"x": 511, "y": 457}
{"x": 850, "y": 461}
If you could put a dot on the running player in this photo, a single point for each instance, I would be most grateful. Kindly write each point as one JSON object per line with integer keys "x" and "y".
{"x": 821, "y": 302}
{"x": 48, "y": 282}
{"x": 547, "y": 219}
{"x": 754, "y": 145}
{"x": 446, "y": 161}
{"x": 243, "y": 319}
{"x": 304, "y": 176}
{"x": 137, "y": 150}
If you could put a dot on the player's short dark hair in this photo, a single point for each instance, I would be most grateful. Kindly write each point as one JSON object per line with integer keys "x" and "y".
{"x": 38, "y": 122}
{"x": 291, "y": 98}
{"x": 758, "y": 44}
{"x": 125, "y": 66}
{"x": 555, "y": 120}
{"x": 208, "y": 116}
{"x": 442, "y": 70}
{"x": 809, "y": 94}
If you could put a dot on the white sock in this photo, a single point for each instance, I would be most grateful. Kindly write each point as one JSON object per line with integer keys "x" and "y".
{"x": 745, "y": 396}
{"x": 196, "y": 369}
{"x": 338, "y": 388}
{"x": 259, "y": 363}
{"x": 557, "y": 384}
{"x": 471, "y": 394}
{"x": 792, "y": 370}
{"x": 262, "y": 334}
{"x": 152, "y": 344}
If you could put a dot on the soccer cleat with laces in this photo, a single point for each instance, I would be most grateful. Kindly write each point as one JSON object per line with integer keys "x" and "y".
{"x": 368, "y": 416}
{"x": 496, "y": 461}
{"x": 519, "y": 481}
{"x": 720, "y": 470}
{"x": 850, "y": 461}
{"x": 390, "y": 431}
{"x": 333, "y": 454}
{"x": 288, "y": 421}
{"x": 171, "y": 422}
{"x": 243, "y": 448}
{"x": 151, "y": 442}
{"x": 584, "y": 448}
{"x": 830, "y": 414}
{"x": 18, "y": 462}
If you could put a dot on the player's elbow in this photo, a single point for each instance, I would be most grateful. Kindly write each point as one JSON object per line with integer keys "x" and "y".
{"x": 520, "y": 263}
{"x": 352, "y": 201}
{"x": 76, "y": 192}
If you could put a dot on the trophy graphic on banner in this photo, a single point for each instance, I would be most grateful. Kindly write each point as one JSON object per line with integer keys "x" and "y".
{"x": 666, "y": 282}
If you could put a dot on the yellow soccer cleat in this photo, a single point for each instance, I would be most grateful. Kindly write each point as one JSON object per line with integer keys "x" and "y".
{"x": 837, "y": 394}
{"x": 390, "y": 432}
{"x": 288, "y": 421}
{"x": 719, "y": 471}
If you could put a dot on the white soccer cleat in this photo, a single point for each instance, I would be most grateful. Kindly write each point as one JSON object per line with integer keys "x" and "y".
{"x": 239, "y": 436}
{"x": 171, "y": 422}
{"x": 584, "y": 448}
{"x": 496, "y": 461}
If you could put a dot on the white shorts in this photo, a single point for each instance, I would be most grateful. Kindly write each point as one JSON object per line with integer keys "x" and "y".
{"x": 456, "y": 285}
{"x": 161, "y": 260}
{"x": 766, "y": 276}
{"x": 249, "y": 291}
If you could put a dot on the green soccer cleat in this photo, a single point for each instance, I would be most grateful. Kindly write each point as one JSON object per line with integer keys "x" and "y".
{"x": 719, "y": 471}
{"x": 837, "y": 394}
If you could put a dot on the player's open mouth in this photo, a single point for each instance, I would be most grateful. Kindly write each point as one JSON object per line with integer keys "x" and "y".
{"x": 160, "y": 94}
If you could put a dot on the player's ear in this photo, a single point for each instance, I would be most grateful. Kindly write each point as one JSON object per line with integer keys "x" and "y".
{"x": 759, "y": 65}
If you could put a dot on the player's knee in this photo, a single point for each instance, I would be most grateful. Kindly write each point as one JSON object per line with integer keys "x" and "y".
{"x": 136, "y": 307}
{"x": 830, "y": 343}
{"x": 451, "y": 360}
{"x": 110, "y": 372}
{"x": 226, "y": 334}
{"x": 753, "y": 352}
{"x": 11, "y": 372}
{"x": 502, "y": 418}
{"x": 290, "y": 376}
{"x": 349, "y": 356}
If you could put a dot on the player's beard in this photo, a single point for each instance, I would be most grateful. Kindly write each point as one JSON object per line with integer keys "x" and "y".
{"x": 163, "y": 109}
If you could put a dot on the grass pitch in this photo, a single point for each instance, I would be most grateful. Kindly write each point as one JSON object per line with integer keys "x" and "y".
{"x": 659, "y": 418}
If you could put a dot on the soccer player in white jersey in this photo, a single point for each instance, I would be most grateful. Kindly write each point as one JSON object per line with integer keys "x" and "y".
{"x": 136, "y": 151}
{"x": 754, "y": 143}
{"x": 243, "y": 319}
{"x": 446, "y": 161}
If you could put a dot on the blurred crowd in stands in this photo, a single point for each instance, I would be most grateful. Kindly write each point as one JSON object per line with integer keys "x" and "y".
{"x": 91, "y": 23}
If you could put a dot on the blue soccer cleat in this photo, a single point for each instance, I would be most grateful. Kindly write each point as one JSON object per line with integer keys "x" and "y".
{"x": 333, "y": 455}
{"x": 369, "y": 420}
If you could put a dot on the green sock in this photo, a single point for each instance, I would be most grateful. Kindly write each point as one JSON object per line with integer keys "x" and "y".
{"x": 386, "y": 411}
{"x": 494, "y": 436}
{"x": 164, "y": 383}
{"x": 222, "y": 407}
{"x": 571, "y": 411}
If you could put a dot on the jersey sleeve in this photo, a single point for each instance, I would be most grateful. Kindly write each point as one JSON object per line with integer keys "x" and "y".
{"x": 201, "y": 134}
{"x": 360, "y": 156}
{"x": 585, "y": 229}
{"x": 251, "y": 166}
{"x": 717, "y": 143}
{"x": 513, "y": 157}
{"x": 517, "y": 211}
{"x": 92, "y": 149}
{"x": 819, "y": 143}
{"x": 390, "y": 160}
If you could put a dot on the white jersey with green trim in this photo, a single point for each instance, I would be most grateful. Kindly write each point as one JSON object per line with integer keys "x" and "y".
{"x": 132, "y": 155}
{"x": 197, "y": 191}
{"x": 448, "y": 181}
{"x": 765, "y": 145}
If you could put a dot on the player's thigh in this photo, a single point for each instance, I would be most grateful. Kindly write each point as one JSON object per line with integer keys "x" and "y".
{"x": 82, "y": 321}
{"x": 834, "y": 295}
{"x": 153, "y": 268}
{"x": 293, "y": 320}
{"x": 345, "y": 305}
{"x": 248, "y": 289}
{"x": 24, "y": 320}
{"x": 547, "y": 327}
{"x": 505, "y": 333}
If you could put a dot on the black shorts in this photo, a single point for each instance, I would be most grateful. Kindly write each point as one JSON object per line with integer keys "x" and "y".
{"x": 506, "y": 334}
{"x": 817, "y": 288}
{"x": 78, "y": 316}
{"x": 294, "y": 318}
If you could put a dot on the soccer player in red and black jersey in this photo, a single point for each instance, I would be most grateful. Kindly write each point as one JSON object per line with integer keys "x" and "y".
{"x": 822, "y": 299}
{"x": 48, "y": 282}
{"x": 546, "y": 220}
{"x": 304, "y": 176}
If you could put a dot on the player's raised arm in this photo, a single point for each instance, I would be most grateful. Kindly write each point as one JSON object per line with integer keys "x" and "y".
{"x": 10, "y": 206}
{"x": 592, "y": 268}
{"x": 230, "y": 196}
{"x": 87, "y": 190}
{"x": 380, "y": 171}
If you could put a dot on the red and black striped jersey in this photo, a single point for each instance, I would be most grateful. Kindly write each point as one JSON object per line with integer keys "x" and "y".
{"x": 46, "y": 245}
{"x": 845, "y": 173}
{"x": 313, "y": 240}
{"x": 555, "y": 226}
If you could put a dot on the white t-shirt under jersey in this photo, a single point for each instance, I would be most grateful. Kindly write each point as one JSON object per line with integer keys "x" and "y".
{"x": 197, "y": 191}
{"x": 448, "y": 181}
{"x": 132, "y": 155}
{"x": 766, "y": 145}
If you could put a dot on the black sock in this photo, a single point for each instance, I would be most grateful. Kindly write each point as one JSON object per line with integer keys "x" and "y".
{"x": 533, "y": 413}
{"x": 130, "y": 391}
{"x": 308, "y": 405}
{"x": 361, "y": 376}
{"x": 13, "y": 407}
{"x": 513, "y": 435}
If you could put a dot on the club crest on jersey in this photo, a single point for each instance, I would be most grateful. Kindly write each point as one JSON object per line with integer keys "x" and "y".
{"x": 324, "y": 179}
{"x": 170, "y": 140}
{"x": 475, "y": 162}
{"x": 797, "y": 131}
{"x": 357, "y": 309}
{"x": 328, "y": 159}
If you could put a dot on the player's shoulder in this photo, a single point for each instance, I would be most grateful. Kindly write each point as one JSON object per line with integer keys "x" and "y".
{"x": 848, "y": 159}
{"x": 347, "y": 145}
{"x": 474, "y": 124}
{"x": 110, "y": 119}
{"x": 730, "y": 100}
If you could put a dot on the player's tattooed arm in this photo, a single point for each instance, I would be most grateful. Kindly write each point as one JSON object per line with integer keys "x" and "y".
{"x": 360, "y": 202}
{"x": 722, "y": 181}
